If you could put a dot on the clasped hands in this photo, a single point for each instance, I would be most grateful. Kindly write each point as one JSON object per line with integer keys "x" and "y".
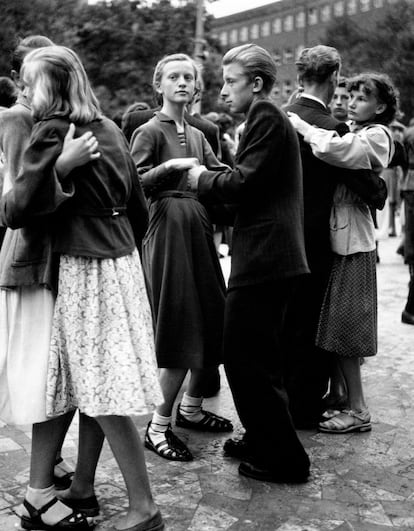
{"x": 193, "y": 167}
{"x": 76, "y": 151}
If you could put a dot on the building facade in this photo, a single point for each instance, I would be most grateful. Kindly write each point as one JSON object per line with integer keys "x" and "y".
{"x": 286, "y": 27}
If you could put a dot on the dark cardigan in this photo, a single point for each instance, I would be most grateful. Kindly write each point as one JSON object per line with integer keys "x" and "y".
{"x": 98, "y": 211}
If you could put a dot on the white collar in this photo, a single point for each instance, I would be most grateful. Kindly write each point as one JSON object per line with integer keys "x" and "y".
{"x": 312, "y": 97}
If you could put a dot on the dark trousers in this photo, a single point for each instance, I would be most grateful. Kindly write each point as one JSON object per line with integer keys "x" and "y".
{"x": 253, "y": 360}
{"x": 307, "y": 368}
{"x": 408, "y": 197}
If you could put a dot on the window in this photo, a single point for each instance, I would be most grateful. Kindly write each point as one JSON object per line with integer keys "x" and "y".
{"x": 312, "y": 16}
{"x": 288, "y": 23}
{"x": 326, "y": 13}
{"x": 223, "y": 38}
{"x": 244, "y": 34}
{"x": 266, "y": 29}
{"x": 254, "y": 31}
{"x": 352, "y": 7}
{"x": 287, "y": 88}
{"x": 277, "y": 57}
{"x": 233, "y": 36}
{"x": 365, "y": 5}
{"x": 287, "y": 55}
{"x": 277, "y": 26}
{"x": 300, "y": 19}
{"x": 338, "y": 9}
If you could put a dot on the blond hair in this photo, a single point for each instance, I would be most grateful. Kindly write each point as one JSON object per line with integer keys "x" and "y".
{"x": 256, "y": 62}
{"x": 59, "y": 85}
{"x": 159, "y": 69}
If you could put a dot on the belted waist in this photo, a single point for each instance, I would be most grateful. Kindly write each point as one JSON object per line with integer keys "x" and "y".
{"x": 176, "y": 193}
{"x": 101, "y": 212}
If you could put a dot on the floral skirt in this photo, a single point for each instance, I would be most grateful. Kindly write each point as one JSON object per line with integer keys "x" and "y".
{"x": 102, "y": 356}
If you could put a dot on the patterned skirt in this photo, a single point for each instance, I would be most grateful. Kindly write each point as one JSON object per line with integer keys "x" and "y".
{"x": 348, "y": 320}
{"x": 102, "y": 356}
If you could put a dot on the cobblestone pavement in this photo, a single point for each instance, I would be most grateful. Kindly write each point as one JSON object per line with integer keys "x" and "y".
{"x": 361, "y": 482}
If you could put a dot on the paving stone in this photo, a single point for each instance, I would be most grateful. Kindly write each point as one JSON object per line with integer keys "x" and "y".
{"x": 359, "y": 482}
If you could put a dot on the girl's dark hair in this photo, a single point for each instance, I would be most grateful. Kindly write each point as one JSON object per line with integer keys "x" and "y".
{"x": 381, "y": 86}
{"x": 25, "y": 46}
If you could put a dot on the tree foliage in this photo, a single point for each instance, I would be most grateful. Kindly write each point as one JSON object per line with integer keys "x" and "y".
{"x": 119, "y": 42}
{"x": 387, "y": 46}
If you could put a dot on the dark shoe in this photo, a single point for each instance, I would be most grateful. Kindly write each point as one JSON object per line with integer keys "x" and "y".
{"x": 172, "y": 448}
{"x": 237, "y": 448}
{"x": 74, "y": 522}
{"x": 407, "y": 318}
{"x": 273, "y": 475}
{"x": 211, "y": 385}
{"x": 155, "y": 523}
{"x": 62, "y": 482}
{"x": 306, "y": 423}
{"x": 210, "y": 422}
{"x": 400, "y": 250}
{"x": 88, "y": 506}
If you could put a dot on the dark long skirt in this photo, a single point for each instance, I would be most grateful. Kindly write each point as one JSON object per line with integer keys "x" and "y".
{"x": 185, "y": 283}
{"x": 348, "y": 320}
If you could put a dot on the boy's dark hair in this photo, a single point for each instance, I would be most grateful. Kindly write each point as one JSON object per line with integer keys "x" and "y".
{"x": 8, "y": 92}
{"x": 383, "y": 89}
{"x": 25, "y": 46}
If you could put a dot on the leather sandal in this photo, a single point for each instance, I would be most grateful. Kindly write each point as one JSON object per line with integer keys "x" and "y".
{"x": 88, "y": 506}
{"x": 74, "y": 522}
{"x": 347, "y": 421}
{"x": 210, "y": 422}
{"x": 171, "y": 448}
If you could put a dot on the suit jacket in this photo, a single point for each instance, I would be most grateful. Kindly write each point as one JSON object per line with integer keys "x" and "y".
{"x": 320, "y": 180}
{"x": 131, "y": 121}
{"x": 266, "y": 186}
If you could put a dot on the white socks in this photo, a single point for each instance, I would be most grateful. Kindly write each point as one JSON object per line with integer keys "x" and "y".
{"x": 158, "y": 427}
{"x": 40, "y": 497}
{"x": 190, "y": 408}
{"x": 62, "y": 468}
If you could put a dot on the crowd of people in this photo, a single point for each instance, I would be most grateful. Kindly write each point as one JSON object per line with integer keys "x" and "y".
{"x": 111, "y": 288}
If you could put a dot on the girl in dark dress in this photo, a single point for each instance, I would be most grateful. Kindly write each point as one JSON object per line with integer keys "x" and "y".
{"x": 182, "y": 269}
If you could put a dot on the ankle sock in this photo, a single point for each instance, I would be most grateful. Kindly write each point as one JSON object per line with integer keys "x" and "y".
{"x": 190, "y": 408}
{"x": 158, "y": 427}
{"x": 62, "y": 468}
{"x": 40, "y": 497}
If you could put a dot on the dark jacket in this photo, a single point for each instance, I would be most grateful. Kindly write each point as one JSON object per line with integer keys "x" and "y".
{"x": 266, "y": 186}
{"x": 131, "y": 121}
{"x": 320, "y": 180}
{"x": 98, "y": 211}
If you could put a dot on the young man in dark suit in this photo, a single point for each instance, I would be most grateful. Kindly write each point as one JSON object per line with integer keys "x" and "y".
{"x": 307, "y": 367}
{"x": 265, "y": 186}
